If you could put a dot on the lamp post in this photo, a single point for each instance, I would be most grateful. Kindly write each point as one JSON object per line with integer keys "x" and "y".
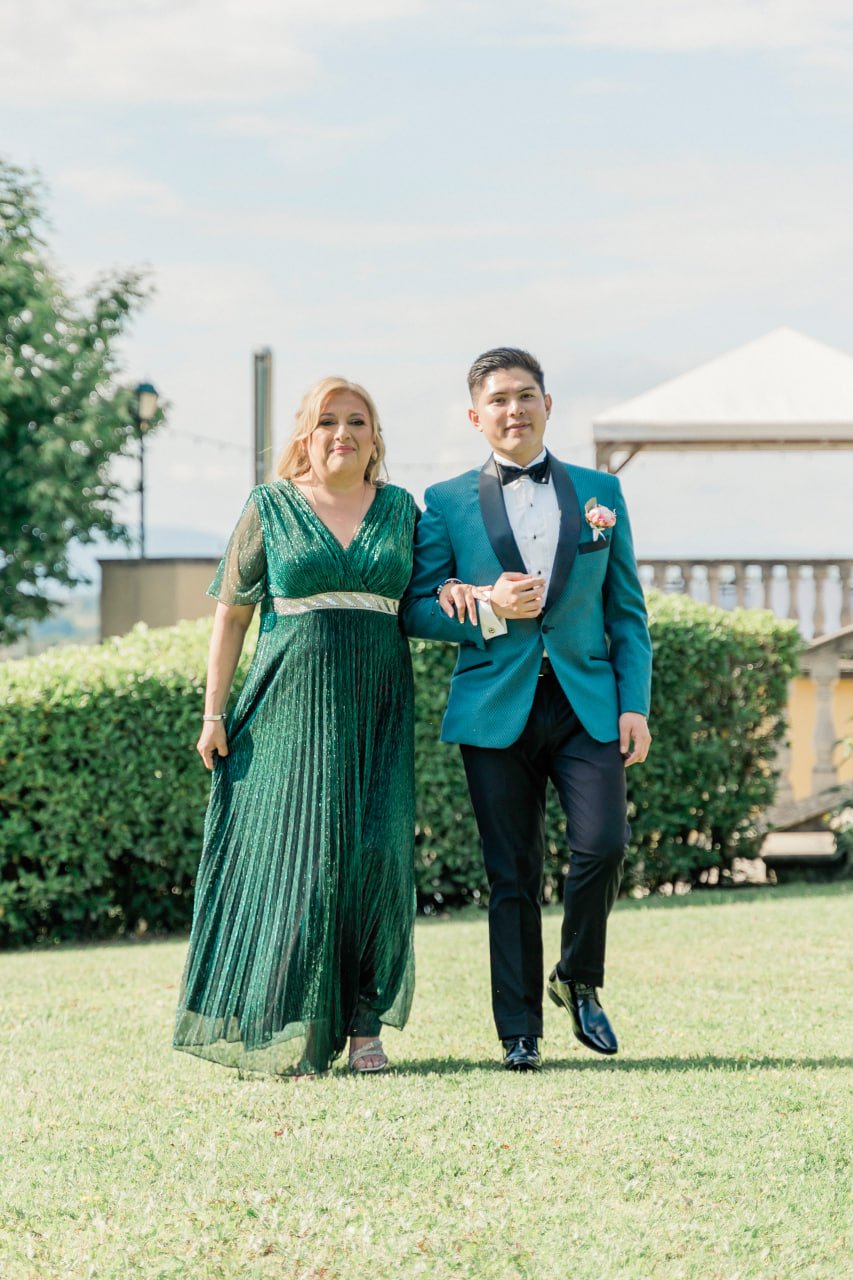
{"x": 145, "y": 407}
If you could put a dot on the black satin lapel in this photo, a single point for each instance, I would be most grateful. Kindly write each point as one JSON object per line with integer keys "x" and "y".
{"x": 570, "y": 530}
{"x": 495, "y": 519}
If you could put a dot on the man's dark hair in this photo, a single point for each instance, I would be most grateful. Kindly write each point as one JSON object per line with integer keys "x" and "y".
{"x": 503, "y": 358}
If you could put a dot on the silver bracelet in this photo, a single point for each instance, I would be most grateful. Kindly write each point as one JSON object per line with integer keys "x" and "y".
{"x": 221, "y": 716}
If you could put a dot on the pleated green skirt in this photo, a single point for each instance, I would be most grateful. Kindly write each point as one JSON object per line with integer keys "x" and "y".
{"x": 302, "y": 928}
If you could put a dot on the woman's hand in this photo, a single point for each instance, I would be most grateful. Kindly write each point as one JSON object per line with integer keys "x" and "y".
{"x": 230, "y": 624}
{"x": 460, "y": 598}
{"x": 213, "y": 742}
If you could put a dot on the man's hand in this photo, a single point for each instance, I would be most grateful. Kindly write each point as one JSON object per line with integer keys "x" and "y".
{"x": 517, "y": 595}
{"x": 634, "y": 733}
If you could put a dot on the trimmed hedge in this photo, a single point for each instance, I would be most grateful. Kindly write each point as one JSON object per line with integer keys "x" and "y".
{"x": 102, "y": 796}
{"x": 719, "y": 700}
{"x": 719, "y": 696}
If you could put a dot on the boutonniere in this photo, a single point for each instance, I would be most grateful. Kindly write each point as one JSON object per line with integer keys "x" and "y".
{"x": 599, "y": 518}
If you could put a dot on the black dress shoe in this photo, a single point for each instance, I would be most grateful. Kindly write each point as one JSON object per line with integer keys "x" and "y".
{"x": 589, "y": 1021}
{"x": 521, "y": 1053}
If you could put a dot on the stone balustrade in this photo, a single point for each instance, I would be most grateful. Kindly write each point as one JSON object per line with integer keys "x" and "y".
{"x": 818, "y": 596}
{"x": 826, "y": 661}
{"x": 815, "y": 593}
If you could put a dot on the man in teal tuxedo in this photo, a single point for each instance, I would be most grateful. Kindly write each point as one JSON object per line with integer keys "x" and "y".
{"x": 528, "y": 565}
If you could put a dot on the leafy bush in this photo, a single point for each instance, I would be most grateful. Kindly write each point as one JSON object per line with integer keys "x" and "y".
{"x": 719, "y": 697}
{"x": 841, "y": 822}
{"x": 102, "y": 795}
{"x": 447, "y": 845}
{"x": 719, "y": 694}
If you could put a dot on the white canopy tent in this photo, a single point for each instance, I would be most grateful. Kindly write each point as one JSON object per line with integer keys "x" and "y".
{"x": 783, "y": 391}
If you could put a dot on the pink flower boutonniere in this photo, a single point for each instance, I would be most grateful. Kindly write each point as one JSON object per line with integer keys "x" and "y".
{"x": 599, "y": 518}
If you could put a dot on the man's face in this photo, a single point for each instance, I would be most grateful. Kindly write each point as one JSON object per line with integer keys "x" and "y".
{"x": 511, "y": 412}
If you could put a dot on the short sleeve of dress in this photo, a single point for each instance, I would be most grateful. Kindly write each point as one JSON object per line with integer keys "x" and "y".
{"x": 242, "y": 574}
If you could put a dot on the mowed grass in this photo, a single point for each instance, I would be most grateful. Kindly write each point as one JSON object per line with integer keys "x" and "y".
{"x": 715, "y": 1145}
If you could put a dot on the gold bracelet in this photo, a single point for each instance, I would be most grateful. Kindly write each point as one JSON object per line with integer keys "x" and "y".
{"x": 221, "y": 716}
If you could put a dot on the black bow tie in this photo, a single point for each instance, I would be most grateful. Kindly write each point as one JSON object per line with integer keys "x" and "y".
{"x": 538, "y": 472}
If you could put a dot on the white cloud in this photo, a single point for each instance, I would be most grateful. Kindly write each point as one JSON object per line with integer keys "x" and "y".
{"x": 688, "y": 260}
{"x": 103, "y": 186}
{"x": 305, "y": 134}
{"x": 101, "y": 51}
{"x": 600, "y": 87}
{"x": 808, "y": 26}
{"x": 673, "y": 235}
{"x": 712, "y": 225}
{"x": 249, "y": 125}
{"x": 342, "y": 233}
{"x": 344, "y": 12}
{"x": 253, "y": 51}
{"x": 201, "y": 296}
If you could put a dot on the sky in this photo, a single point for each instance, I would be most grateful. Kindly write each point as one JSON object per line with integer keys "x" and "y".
{"x": 385, "y": 189}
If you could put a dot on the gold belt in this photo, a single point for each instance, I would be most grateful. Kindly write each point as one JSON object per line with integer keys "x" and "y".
{"x": 290, "y": 605}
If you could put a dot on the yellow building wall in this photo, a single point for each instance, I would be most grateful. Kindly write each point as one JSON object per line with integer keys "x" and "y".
{"x": 802, "y": 714}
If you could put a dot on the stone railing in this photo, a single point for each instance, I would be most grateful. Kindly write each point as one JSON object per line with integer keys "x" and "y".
{"x": 825, "y": 661}
{"x": 816, "y": 594}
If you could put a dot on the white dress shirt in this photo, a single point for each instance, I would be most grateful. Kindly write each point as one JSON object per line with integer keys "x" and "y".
{"x": 534, "y": 517}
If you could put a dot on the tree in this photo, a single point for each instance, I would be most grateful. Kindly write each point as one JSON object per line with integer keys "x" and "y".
{"x": 63, "y": 416}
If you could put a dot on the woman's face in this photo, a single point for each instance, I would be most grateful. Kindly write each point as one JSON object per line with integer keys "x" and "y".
{"x": 342, "y": 441}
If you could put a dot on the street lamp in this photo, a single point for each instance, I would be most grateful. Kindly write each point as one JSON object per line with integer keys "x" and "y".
{"x": 144, "y": 409}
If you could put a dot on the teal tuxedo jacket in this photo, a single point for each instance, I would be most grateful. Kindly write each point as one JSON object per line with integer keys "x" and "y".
{"x": 593, "y": 623}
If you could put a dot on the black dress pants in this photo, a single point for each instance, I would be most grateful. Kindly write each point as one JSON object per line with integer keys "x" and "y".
{"x": 507, "y": 787}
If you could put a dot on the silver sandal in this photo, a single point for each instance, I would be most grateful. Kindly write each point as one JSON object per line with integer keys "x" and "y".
{"x": 373, "y": 1049}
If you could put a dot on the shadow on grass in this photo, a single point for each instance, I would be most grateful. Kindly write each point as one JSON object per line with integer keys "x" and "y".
{"x": 706, "y": 1062}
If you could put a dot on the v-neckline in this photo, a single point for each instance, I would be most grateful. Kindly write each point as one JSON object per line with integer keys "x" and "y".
{"x": 322, "y": 523}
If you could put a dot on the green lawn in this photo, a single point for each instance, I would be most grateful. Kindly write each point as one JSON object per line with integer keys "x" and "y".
{"x": 715, "y": 1145}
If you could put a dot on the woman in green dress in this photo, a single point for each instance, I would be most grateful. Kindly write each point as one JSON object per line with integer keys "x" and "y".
{"x": 302, "y": 930}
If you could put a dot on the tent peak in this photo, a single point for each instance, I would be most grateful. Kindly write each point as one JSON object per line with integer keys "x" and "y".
{"x": 783, "y": 379}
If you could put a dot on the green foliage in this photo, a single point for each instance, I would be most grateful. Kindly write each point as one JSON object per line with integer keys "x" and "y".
{"x": 819, "y": 871}
{"x": 718, "y": 700}
{"x": 719, "y": 695}
{"x": 841, "y": 822}
{"x": 102, "y": 796}
{"x": 62, "y": 416}
{"x": 447, "y": 844}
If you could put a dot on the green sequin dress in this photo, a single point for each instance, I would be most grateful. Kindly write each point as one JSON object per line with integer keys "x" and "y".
{"x": 305, "y": 896}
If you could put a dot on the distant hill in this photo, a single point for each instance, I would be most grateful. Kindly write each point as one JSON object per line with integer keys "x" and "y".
{"x": 77, "y": 621}
{"x": 165, "y": 540}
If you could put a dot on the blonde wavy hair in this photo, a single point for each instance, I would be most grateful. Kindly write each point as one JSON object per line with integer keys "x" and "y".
{"x": 293, "y": 461}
